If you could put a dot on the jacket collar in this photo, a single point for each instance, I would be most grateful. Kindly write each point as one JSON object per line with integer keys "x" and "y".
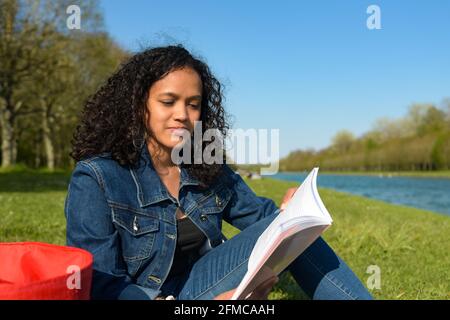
{"x": 149, "y": 185}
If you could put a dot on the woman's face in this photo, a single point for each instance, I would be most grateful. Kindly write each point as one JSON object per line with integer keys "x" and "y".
{"x": 174, "y": 103}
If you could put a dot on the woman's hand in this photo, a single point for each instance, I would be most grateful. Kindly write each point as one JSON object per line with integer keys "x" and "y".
{"x": 260, "y": 293}
{"x": 289, "y": 193}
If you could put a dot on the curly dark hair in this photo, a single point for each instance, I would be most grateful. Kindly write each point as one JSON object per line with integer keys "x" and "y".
{"x": 113, "y": 119}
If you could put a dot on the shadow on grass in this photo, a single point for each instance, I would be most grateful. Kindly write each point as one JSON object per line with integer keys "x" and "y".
{"x": 34, "y": 181}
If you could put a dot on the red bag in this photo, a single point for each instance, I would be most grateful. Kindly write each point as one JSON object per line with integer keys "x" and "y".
{"x": 42, "y": 271}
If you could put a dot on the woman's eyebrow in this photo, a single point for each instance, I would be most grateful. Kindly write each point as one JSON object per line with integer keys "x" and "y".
{"x": 196, "y": 97}
{"x": 174, "y": 95}
{"x": 168, "y": 94}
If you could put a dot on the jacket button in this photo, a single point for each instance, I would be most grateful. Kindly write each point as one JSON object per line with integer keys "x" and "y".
{"x": 156, "y": 279}
{"x": 135, "y": 224}
{"x": 203, "y": 217}
{"x": 218, "y": 201}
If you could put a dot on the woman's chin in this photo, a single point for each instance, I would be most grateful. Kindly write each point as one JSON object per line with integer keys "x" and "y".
{"x": 175, "y": 144}
{"x": 170, "y": 143}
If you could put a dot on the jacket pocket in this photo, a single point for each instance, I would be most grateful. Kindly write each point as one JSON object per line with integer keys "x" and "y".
{"x": 211, "y": 209}
{"x": 216, "y": 201}
{"x": 137, "y": 232}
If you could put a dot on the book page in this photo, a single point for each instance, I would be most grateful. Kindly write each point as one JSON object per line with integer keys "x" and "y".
{"x": 289, "y": 234}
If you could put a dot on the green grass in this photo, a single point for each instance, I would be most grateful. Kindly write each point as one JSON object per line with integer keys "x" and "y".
{"x": 32, "y": 206}
{"x": 409, "y": 245}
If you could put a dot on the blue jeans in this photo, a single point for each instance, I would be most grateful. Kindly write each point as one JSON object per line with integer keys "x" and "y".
{"x": 319, "y": 272}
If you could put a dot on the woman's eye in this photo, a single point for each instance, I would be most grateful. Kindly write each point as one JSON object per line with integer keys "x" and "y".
{"x": 167, "y": 103}
{"x": 196, "y": 106}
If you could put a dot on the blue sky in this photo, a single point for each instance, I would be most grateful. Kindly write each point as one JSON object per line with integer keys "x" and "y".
{"x": 308, "y": 68}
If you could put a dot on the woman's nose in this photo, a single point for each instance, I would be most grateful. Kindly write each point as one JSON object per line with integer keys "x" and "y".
{"x": 180, "y": 112}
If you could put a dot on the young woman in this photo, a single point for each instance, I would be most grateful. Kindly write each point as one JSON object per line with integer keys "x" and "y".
{"x": 154, "y": 227}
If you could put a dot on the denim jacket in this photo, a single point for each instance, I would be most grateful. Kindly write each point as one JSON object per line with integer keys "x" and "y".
{"x": 126, "y": 218}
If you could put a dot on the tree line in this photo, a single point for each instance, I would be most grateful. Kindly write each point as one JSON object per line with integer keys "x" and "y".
{"x": 47, "y": 71}
{"x": 419, "y": 141}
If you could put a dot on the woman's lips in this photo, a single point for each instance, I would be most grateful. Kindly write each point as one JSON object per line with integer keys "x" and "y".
{"x": 178, "y": 131}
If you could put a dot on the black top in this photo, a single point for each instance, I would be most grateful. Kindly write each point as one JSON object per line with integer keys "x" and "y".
{"x": 189, "y": 240}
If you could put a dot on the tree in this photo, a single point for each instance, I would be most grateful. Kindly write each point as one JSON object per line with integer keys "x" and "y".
{"x": 20, "y": 40}
{"x": 446, "y": 108}
{"x": 426, "y": 118}
{"x": 25, "y": 29}
{"x": 433, "y": 122}
{"x": 342, "y": 141}
{"x": 46, "y": 73}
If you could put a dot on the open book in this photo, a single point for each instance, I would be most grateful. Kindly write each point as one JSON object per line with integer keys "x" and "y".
{"x": 290, "y": 233}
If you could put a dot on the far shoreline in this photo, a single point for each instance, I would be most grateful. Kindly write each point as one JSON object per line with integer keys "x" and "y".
{"x": 444, "y": 174}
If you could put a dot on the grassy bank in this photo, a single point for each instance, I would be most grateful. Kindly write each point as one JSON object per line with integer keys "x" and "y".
{"x": 409, "y": 245}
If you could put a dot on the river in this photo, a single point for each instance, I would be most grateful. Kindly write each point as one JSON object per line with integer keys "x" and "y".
{"x": 424, "y": 193}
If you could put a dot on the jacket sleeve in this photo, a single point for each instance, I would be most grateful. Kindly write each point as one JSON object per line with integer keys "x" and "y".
{"x": 245, "y": 207}
{"x": 90, "y": 227}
